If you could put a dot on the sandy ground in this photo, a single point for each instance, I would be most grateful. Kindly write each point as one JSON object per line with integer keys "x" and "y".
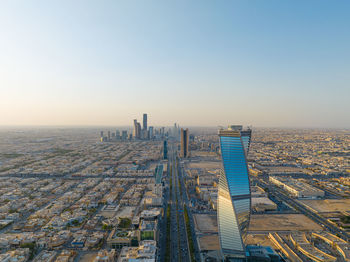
{"x": 328, "y": 205}
{"x": 282, "y": 222}
{"x": 258, "y": 239}
{"x": 127, "y": 211}
{"x": 209, "y": 242}
{"x": 205, "y": 165}
{"x": 195, "y": 153}
{"x": 206, "y": 223}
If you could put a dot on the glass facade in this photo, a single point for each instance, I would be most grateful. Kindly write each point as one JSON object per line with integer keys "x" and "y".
{"x": 234, "y": 192}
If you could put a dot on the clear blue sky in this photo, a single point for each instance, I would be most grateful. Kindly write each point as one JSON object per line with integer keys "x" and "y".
{"x": 264, "y": 63}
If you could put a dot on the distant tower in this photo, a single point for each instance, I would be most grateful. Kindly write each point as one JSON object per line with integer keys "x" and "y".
{"x": 138, "y": 130}
{"x": 144, "y": 121}
{"x": 165, "y": 149}
{"x": 151, "y": 134}
{"x": 184, "y": 142}
{"x": 101, "y": 136}
{"x": 135, "y": 133}
{"x": 124, "y": 135}
{"x": 109, "y": 135}
{"x": 117, "y": 134}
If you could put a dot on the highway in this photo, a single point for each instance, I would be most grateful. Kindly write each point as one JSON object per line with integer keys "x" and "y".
{"x": 186, "y": 201}
{"x": 179, "y": 240}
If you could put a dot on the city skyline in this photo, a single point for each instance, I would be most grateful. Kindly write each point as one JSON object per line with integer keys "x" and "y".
{"x": 174, "y": 131}
{"x": 275, "y": 64}
{"x": 104, "y": 195}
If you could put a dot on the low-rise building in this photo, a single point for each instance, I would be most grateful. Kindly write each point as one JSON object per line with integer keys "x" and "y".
{"x": 297, "y": 188}
{"x": 146, "y": 251}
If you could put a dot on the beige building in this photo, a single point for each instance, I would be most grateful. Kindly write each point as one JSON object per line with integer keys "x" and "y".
{"x": 262, "y": 204}
{"x": 146, "y": 251}
{"x": 297, "y": 188}
{"x": 105, "y": 256}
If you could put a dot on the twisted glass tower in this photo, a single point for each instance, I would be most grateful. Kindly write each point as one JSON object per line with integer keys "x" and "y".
{"x": 234, "y": 192}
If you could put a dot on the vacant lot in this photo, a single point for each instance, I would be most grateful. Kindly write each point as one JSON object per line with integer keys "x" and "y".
{"x": 258, "y": 239}
{"x": 206, "y": 223}
{"x": 282, "y": 222}
{"x": 196, "y": 153}
{"x": 205, "y": 165}
{"x": 209, "y": 242}
{"x": 328, "y": 205}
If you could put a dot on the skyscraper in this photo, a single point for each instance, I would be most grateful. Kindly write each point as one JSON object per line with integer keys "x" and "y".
{"x": 144, "y": 134}
{"x": 138, "y": 130}
{"x": 144, "y": 121}
{"x": 117, "y": 134}
{"x": 136, "y": 133}
{"x": 184, "y": 143}
{"x": 101, "y": 136}
{"x": 234, "y": 192}
{"x": 151, "y": 132}
{"x": 165, "y": 149}
{"x": 124, "y": 135}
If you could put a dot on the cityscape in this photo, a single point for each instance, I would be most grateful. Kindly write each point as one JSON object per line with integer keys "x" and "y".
{"x": 144, "y": 193}
{"x": 174, "y": 131}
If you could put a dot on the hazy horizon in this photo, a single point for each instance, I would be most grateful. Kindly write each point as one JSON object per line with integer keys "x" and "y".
{"x": 130, "y": 127}
{"x": 278, "y": 64}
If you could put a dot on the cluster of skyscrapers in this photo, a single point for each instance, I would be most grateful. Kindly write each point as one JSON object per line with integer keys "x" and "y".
{"x": 144, "y": 132}
{"x": 138, "y": 133}
{"x": 114, "y": 136}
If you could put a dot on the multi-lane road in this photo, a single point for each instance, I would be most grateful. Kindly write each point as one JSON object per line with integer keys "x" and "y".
{"x": 179, "y": 241}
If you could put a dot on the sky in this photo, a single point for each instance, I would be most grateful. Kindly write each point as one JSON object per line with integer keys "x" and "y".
{"x": 198, "y": 63}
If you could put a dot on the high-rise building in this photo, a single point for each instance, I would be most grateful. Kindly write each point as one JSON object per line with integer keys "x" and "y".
{"x": 124, "y": 135}
{"x": 135, "y": 131}
{"x": 184, "y": 152}
{"x": 151, "y": 134}
{"x": 165, "y": 149}
{"x": 101, "y": 134}
{"x": 117, "y": 134}
{"x": 234, "y": 192}
{"x": 109, "y": 135}
{"x": 144, "y": 121}
{"x": 145, "y": 134}
{"x": 138, "y": 130}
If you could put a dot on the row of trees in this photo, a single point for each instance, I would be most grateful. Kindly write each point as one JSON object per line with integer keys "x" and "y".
{"x": 189, "y": 235}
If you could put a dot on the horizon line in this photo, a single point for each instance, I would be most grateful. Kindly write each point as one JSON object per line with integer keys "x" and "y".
{"x": 166, "y": 126}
